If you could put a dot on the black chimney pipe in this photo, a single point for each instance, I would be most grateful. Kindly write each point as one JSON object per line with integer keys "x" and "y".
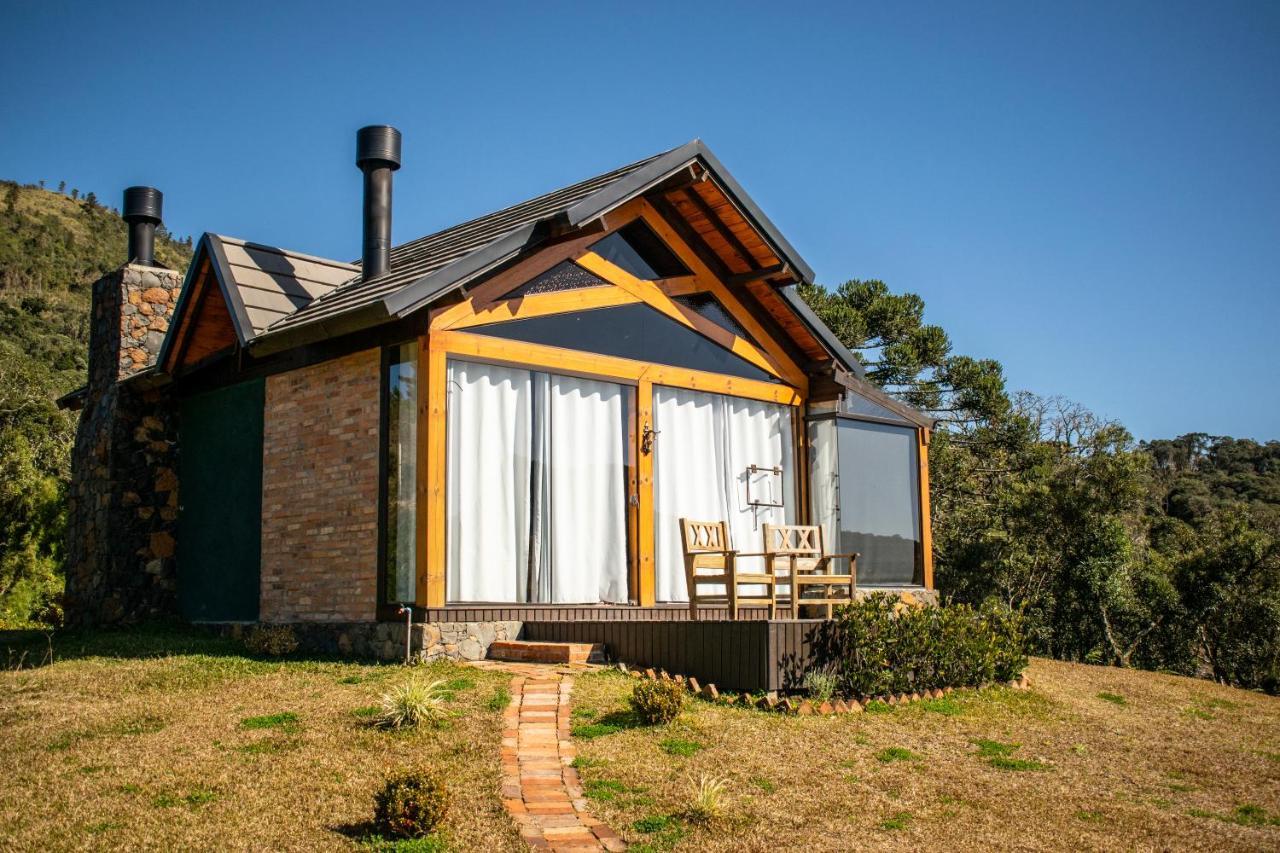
{"x": 142, "y": 210}
{"x": 377, "y": 155}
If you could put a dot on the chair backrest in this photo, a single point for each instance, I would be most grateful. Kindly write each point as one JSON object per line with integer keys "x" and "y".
{"x": 793, "y": 547}
{"x": 701, "y": 536}
{"x": 704, "y": 545}
{"x": 793, "y": 540}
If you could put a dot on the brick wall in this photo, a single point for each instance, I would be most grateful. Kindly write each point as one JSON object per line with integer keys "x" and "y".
{"x": 320, "y": 492}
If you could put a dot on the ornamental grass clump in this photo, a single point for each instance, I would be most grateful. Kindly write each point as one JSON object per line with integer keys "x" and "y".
{"x": 821, "y": 684}
{"x": 411, "y": 703}
{"x": 878, "y": 646}
{"x": 410, "y": 805}
{"x": 706, "y": 804}
{"x": 657, "y": 702}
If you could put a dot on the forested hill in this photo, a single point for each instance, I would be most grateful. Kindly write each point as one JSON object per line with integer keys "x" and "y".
{"x": 53, "y": 246}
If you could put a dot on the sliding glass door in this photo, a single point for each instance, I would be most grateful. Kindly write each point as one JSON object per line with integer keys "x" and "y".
{"x": 536, "y": 474}
{"x": 717, "y": 457}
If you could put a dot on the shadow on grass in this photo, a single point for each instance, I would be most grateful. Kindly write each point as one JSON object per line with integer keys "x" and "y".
{"x": 28, "y": 649}
{"x": 609, "y": 724}
{"x": 366, "y": 836}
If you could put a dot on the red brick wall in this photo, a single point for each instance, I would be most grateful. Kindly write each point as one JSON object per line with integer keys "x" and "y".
{"x": 320, "y": 492}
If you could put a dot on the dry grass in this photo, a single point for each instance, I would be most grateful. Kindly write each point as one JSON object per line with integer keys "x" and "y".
{"x": 207, "y": 749}
{"x": 1180, "y": 763}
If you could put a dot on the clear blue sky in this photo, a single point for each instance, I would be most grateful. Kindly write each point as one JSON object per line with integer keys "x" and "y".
{"x": 1089, "y": 193}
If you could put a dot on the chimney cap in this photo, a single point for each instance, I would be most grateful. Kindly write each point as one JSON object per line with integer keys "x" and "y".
{"x": 143, "y": 204}
{"x": 380, "y": 142}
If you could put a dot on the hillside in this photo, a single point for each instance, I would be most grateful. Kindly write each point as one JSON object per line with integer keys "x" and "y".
{"x": 52, "y": 249}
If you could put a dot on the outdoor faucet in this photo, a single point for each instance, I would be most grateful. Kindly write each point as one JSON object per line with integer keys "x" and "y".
{"x": 407, "y": 613}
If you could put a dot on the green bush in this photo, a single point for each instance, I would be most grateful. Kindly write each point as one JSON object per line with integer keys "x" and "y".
{"x": 410, "y": 805}
{"x": 657, "y": 702}
{"x": 271, "y": 640}
{"x": 878, "y": 645}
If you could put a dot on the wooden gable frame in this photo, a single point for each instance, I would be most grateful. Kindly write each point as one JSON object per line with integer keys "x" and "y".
{"x": 450, "y": 333}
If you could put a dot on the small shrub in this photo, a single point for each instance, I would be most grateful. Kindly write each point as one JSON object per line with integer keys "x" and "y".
{"x": 411, "y": 704}
{"x": 410, "y": 805}
{"x": 705, "y": 805}
{"x": 271, "y": 640}
{"x": 877, "y": 646}
{"x": 657, "y": 702}
{"x": 821, "y": 684}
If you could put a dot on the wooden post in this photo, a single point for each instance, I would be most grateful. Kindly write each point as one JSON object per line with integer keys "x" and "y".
{"x": 648, "y": 567}
{"x": 429, "y": 541}
{"x": 926, "y": 519}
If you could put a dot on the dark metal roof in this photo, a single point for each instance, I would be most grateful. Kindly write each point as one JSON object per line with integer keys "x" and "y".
{"x": 416, "y": 260}
{"x": 425, "y": 269}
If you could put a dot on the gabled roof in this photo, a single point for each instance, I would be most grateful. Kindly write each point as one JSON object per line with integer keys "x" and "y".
{"x": 260, "y": 284}
{"x": 281, "y": 299}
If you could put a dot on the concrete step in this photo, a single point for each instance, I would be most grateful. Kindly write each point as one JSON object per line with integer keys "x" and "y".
{"x": 528, "y": 651}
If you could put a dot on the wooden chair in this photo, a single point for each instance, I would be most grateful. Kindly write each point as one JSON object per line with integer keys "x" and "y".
{"x": 797, "y": 559}
{"x": 708, "y": 559}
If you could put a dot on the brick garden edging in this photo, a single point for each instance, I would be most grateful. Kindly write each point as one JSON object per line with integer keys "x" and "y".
{"x": 540, "y": 790}
{"x": 803, "y": 707}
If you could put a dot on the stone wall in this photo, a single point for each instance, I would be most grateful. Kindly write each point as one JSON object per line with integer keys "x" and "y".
{"x": 320, "y": 492}
{"x": 123, "y": 502}
{"x": 385, "y": 640}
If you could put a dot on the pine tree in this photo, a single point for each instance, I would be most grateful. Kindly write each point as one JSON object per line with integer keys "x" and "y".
{"x": 62, "y": 186}
{"x": 75, "y": 193}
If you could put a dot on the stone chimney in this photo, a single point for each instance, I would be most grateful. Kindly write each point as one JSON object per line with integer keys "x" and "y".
{"x": 123, "y": 505}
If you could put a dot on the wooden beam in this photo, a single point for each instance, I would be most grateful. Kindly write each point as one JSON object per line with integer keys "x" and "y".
{"x": 542, "y": 304}
{"x": 509, "y": 279}
{"x": 716, "y": 222}
{"x": 609, "y": 368}
{"x": 711, "y": 283}
{"x": 926, "y": 519}
{"x": 756, "y": 275}
{"x": 650, "y": 293}
{"x": 430, "y": 516}
{"x": 647, "y": 570}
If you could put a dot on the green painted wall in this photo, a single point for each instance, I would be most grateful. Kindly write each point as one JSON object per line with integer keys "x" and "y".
{"x": 220, "y": 524}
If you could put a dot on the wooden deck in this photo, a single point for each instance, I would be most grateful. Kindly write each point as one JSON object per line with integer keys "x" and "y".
{"x": 748, "y": 655}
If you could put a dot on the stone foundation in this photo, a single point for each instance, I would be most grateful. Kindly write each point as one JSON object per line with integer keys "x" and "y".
{"x": 385, "y": 640}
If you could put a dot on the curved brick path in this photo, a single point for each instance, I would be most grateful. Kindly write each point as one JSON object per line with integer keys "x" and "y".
{"x": 540, "y": 789}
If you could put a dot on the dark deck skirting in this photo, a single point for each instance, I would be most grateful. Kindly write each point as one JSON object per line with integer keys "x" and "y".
{"x": 734, "y": 655}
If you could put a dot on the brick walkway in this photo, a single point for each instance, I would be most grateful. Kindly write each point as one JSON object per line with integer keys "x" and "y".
{"x": 540, "y": 789}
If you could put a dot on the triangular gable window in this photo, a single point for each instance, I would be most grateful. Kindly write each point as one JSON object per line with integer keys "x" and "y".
{"x": 636, "y": 332}
{"x": 565, "y": 275}
{"x": 636, "y": 249}
{"x": 712, "y": 309}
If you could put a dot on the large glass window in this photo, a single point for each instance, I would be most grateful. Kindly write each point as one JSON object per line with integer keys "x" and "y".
{"x": 399, "y": 489}
{"x": 628, "y": 331}
{"x": 866, "y": 496}
{"x": 636, "y": 249}
{"x": 537, "y": 497}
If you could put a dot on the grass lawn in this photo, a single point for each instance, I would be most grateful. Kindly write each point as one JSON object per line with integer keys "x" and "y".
{"x": 1090, "y": 757}
{"x": 174, "y": 740}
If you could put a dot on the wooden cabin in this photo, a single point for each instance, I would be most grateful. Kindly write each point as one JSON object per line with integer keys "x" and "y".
{"x": 502, "y": 424}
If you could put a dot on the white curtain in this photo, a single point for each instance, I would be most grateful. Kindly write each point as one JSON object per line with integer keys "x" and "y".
{"x": 703, "y": 451}
{"x": 537, "y": 509}
{"x": 489, "y": 453}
